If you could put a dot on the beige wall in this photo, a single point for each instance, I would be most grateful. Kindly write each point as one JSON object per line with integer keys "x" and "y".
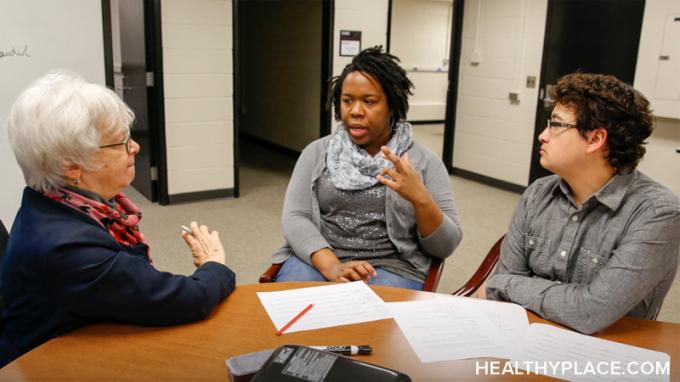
{"x": 197, "y": 60}
{"x": 493, "y": 136}
{"x": 661, "y": 162}
{"x": 65, "y": 34}
{"x": 369, "y": 17}
{"x": 659, "y": 81}
{"x": 420, "y": 36}
{"x": 280, "y": 76}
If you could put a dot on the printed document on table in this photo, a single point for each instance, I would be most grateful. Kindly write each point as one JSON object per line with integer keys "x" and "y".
{"x": 334, "y": 305}
{"x": 447, "y": 330}
{"x": 565, "y": 354}
{"x": 510, "y": 318}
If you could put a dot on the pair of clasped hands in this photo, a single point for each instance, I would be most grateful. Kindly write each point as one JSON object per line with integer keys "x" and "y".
{"x": 407, "y": 183}
{"x": 205, "y": 244}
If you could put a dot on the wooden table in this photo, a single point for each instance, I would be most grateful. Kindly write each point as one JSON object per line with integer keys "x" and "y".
{"x": 196, "y": 352}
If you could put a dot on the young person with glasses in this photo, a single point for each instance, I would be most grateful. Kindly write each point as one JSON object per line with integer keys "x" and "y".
{"x": 598, "y": 240}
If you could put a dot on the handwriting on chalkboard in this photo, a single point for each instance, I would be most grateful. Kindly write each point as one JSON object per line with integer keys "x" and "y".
{"x": 15, "y": 52}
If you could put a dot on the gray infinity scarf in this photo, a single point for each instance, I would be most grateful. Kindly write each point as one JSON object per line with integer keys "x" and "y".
{"x": 353, "y": 168}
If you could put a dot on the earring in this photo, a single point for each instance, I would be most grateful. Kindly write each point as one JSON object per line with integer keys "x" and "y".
{"x": 76, "y": 180}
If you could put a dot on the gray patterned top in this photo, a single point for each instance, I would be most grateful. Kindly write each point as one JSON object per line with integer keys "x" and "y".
{"x": 354, "y": 224}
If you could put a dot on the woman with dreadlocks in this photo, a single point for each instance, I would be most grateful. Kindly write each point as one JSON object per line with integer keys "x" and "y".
{"x": 367, "y": 202}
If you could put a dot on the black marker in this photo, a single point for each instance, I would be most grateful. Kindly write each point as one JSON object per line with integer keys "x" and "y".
{"x": 346, "y": 349}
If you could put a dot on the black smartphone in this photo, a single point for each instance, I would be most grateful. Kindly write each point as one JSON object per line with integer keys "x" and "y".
{"x": 301, "y": 363}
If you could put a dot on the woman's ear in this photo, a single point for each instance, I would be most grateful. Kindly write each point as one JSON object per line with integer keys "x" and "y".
{"x": 72, "y": 173}
{"x": 597, "y": 140}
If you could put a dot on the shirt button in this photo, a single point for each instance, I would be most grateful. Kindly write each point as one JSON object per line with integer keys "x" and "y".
{"x": 563, "y": 253}
{"x": 574, "y": 218}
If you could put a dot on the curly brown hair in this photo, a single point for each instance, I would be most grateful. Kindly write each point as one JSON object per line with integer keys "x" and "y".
{"x": 604, "y": 101}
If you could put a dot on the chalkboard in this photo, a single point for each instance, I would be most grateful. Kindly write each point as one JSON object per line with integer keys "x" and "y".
{"x": 37, "y": 36}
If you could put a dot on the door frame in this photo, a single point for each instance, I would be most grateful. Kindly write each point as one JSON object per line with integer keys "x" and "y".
{"x": 454, "y": 75}
{"x": 155, "y": 94}
{"x": 327, "y": 30}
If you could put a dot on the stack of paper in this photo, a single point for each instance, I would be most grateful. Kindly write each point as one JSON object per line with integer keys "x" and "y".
{"x": 451, "y": 328}
{"x": 576, "y": 357}
{"x": 334, "y": 305}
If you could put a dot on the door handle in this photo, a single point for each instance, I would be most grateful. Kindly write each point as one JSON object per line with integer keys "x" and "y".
{"x": 547, "y": 101}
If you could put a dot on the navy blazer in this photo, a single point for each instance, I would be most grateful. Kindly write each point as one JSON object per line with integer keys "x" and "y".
{"x": 63, "y": 270}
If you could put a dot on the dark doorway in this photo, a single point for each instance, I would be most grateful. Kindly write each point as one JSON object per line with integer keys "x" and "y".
{"x": 592, "y": 36}
{"x": 135, "y": 73}
{"x": 282, "y": 63}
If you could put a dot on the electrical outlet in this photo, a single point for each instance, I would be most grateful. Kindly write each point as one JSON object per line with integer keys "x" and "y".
{"x": 531, "y": 82}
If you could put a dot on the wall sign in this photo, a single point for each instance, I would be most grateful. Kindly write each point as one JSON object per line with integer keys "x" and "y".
{"x": 350, "y": 43}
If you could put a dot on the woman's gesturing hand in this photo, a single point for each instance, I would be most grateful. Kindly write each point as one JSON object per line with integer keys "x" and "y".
{"x": 404, "y": 178}
{"x": 405, "y": 181}
{"x": 205, "y": 245}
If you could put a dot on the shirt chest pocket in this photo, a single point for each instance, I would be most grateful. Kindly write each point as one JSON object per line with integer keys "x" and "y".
{"x": 538, "y": 253}
{"x": 587, "y": 266}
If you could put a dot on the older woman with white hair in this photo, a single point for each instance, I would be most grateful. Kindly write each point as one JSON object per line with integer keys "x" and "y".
{"x": 75, "y": 254}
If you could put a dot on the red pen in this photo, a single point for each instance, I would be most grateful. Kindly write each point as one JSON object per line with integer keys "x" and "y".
{"x": 294, "y": 320}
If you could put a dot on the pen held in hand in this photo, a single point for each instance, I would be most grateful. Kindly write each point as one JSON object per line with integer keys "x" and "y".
{"x": 188, "y": 230}
{"x": 294, "y": 320}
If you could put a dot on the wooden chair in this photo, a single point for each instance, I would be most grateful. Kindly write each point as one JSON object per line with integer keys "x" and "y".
{"x": 430, "y": 285}
{"x": 482, "y": 272}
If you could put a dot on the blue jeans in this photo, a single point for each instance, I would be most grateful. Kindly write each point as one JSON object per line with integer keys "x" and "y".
{"x": 295, "y": 269}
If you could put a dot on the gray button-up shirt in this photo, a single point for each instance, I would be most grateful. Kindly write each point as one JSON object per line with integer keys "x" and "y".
{"x": 587, "y": 267}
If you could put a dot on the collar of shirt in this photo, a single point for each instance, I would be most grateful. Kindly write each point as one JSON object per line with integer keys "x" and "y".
{"x": 610, "y": 195}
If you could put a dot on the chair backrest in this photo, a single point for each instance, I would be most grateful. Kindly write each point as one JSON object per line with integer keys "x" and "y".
{"x": 433, "y": 275}
{"x": 482, "y": 272}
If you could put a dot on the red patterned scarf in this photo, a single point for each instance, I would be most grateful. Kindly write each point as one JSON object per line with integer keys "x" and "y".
{"x": 121, "y": 221}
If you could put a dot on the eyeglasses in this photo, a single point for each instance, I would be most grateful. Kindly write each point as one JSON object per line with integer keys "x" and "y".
{"x": 553, "y": 126}
{"x": 127, "y": 143}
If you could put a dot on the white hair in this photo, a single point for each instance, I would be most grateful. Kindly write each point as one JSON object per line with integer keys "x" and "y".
{"x": 58, "y": 122}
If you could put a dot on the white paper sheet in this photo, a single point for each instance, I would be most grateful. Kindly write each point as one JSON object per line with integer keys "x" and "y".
{"x": 510, "y": 318}
{"x": 588, "y": 358}
{"x": 448, "y": 329}
{"x": 334, "y": 305}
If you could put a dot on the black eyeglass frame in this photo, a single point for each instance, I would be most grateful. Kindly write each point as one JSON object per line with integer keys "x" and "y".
{"x": 127, "y": 143}
{"x": 553, "y": 123}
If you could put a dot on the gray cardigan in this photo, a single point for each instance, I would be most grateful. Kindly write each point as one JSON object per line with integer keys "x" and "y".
{"x": 301, "y": 217}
